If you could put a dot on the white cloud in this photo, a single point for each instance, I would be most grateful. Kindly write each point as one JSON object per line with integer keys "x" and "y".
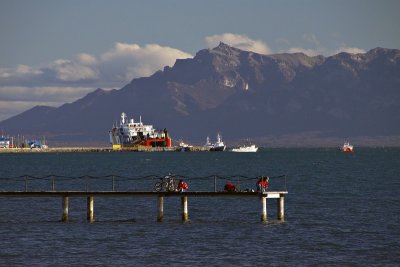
{"x": 11, "y": 108}
{"x": 26, "y": 70}
{"x": 18, "y": 72}
{"x": 66, "y": 80}
{"x": 127, "y": 61}
{"x": 308, "y": 52}
{"x": 325, "y": 52}
{"x": 16, "y": 99}
{"x": 86, "y": 59}
{"x": 71, "y": 71}
{"x": 351, "y": 50}
{"x": 311, "y": 40}
{"x": 319, "y": 49}
{"x": 239, "y": 41}
{"x": 116, "y": 67}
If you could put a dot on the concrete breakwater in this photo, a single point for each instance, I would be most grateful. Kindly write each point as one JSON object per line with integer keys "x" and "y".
{"x": 55, "y": 150}
{"x": 98, "y": 149}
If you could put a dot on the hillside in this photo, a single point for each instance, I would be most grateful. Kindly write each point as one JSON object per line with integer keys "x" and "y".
{"x": 240, "y": 94}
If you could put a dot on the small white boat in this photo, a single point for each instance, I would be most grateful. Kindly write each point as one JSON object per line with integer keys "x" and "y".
{"x": 184, "y": 147}
{"x": 250, "y": 148}
{"x": 346, "y": 147}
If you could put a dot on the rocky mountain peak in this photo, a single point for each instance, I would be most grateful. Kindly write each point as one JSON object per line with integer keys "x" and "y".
{"x": 221, "y": 51}
{"x": 346, "y": 94}
{"x": 226, "y": 50}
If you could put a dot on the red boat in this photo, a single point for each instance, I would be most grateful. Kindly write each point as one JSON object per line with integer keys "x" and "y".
{"x": 346, "y": 147}
{"x": 131, "y": 133}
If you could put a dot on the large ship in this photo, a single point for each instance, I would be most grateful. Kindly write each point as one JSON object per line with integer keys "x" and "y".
{"x": 130, "y": 134}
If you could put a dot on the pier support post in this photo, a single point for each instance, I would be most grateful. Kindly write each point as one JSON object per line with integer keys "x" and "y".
{"x": 185, "y": 215}
{"x": 65, "y": 201}
{"x": 281, "y": 207}
{"x": 90, "y": 210}
{"x": 264, "y": 209}
{"x": 160, "y": 215}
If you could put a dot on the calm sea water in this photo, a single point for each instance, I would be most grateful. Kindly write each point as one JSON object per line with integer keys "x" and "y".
{"x": 342, "y": 209}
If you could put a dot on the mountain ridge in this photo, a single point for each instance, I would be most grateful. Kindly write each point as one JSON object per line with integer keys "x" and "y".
{"x": 241, "y": 94}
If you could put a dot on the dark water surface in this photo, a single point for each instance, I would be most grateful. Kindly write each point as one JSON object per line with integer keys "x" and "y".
{"x": 342, "y": 209}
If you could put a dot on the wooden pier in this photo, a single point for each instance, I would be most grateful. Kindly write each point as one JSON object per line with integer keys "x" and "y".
{"x": 65, "y": 195}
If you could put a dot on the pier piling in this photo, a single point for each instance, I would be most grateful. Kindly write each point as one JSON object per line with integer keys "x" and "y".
{"x": 279, "y": 195}
{"x": 281, "y": 207}
{"x": 264, "y": 209}
{"x": 185, "y": 215}
{"x": 90, "y": 209}
{"x": 65, "y": 201}
{"x": 160, "y": 215}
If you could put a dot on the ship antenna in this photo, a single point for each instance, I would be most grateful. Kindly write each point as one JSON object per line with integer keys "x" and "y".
{"x": 123, "y": 116}
{"x": 140, "y": 119}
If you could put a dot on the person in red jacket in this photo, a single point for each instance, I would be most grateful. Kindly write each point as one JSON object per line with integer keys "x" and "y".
{"x": 262, "y": 184}
{"x": 182, "y": 186}
{"x": 229, "y": 187}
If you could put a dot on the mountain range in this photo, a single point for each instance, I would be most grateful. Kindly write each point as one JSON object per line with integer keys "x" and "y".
{"x": 240, "y": 94}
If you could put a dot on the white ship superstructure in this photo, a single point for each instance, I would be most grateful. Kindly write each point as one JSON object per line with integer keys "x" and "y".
{"x": 250, "y": 148}
{"x": 5, "y": 142}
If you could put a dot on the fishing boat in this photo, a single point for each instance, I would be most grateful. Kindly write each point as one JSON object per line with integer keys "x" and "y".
{"x": 248, "y": 148}
{"x": 217, "y": 146}
{"x": 346, "y": 147}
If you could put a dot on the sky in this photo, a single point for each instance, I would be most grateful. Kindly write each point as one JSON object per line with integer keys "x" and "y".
{"x": 54, "y": 52}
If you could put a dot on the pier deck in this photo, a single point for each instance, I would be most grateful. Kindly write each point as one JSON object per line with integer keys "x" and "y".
{"x": 138, "y": 193}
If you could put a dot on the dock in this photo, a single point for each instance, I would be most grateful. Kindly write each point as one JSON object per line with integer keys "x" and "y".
{"x": 64, "y": 195}
{"x": 100, "y": 149}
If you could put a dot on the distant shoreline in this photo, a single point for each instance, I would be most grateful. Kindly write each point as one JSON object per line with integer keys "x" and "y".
{"x": 55, "y": 150}
{"x": 154, "y": 149}
{"x": 94, "y": 149}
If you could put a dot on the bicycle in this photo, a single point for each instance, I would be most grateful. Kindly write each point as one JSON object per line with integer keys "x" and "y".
{"x": 166, "y": 183}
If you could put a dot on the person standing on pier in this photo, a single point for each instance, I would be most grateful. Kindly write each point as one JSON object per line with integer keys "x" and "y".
{"x": 262, "y": 184}
{"x": 182, "y": 186}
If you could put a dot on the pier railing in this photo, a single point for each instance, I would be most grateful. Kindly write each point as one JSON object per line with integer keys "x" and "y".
{"x": 117, "y": 183}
